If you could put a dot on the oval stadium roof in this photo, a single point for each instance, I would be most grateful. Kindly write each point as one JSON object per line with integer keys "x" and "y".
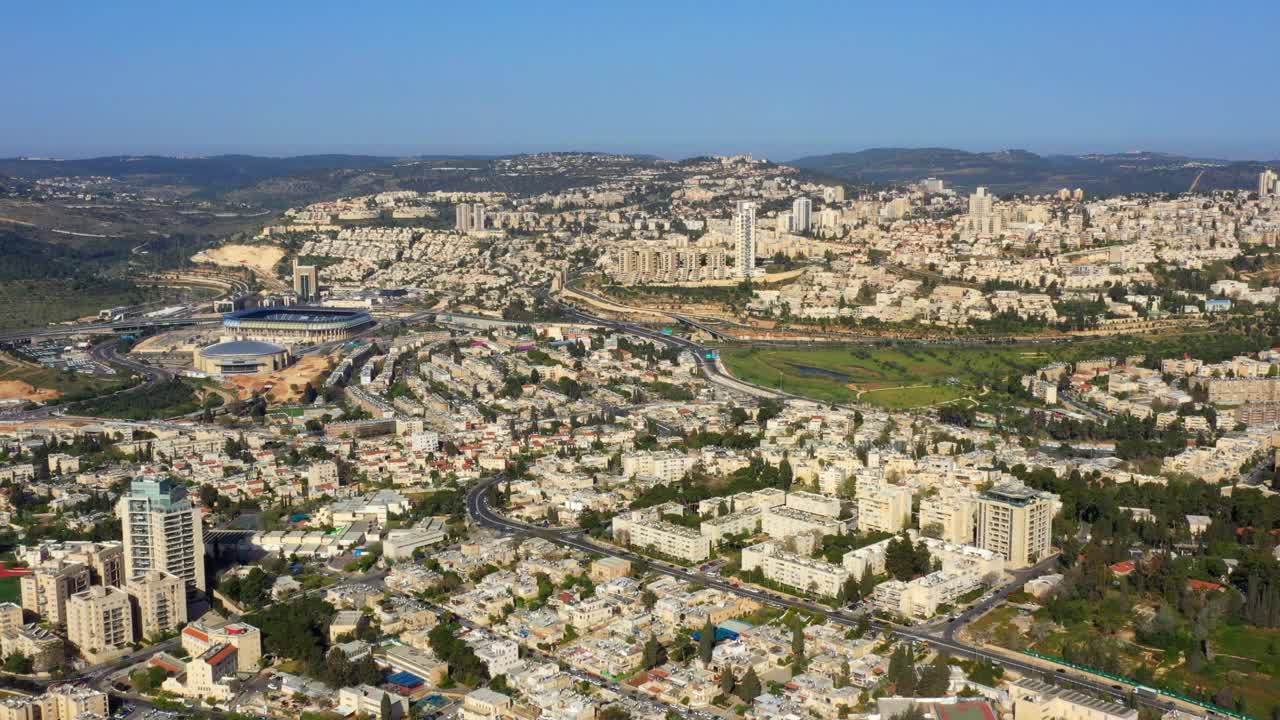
{"x": 242, "y": 347}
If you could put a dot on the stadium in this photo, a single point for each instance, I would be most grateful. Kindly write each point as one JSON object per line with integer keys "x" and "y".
{"x": 295, "y": 325}
{"x": 241, "y": 357}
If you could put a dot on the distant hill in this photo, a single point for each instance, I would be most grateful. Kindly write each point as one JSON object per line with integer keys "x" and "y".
{"x": 1008, "y": 171}
{"x": 214, "y": 173}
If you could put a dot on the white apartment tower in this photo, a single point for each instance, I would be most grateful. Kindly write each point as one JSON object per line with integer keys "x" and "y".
{"x": 462, "y": 217}
{"x": 980, "y": 204}
{"x": 1268, "y": 183}
{"x": 983, "y": 219}
{"x": 744, "y": 236}
{"x": 162, "y": 531}
{"x": 802, "y": 214}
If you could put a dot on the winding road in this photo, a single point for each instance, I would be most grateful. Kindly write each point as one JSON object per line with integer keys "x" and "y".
{"x": 940, "y": 635}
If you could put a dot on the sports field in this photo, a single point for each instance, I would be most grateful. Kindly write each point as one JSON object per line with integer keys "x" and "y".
{"x": 10, "y": 589}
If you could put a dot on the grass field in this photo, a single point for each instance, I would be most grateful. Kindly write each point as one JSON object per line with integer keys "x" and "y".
{"x": 1246, "y": 659}
{"x": 912, "y": 375}
{"x": 894, "y": 377}
{"x": 10, "y": 590}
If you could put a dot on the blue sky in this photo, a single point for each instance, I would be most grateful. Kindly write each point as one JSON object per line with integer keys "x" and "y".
{"x": 778, "y": 79}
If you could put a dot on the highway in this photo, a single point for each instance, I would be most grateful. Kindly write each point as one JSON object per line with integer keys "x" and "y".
{"x": 939, "y": 635}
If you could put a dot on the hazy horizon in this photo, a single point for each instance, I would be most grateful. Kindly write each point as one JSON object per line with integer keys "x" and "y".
{"x": 672, "y": 80}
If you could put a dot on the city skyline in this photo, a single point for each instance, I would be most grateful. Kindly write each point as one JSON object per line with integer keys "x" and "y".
{"x": 678, "y": 82}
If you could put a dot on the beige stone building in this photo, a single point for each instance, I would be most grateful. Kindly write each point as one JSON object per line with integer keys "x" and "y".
{"x": 60, "y": 570}
{"x": 198, "y": 637}
{"x": 661, "y": 536}
{"x": 1035, "y": 700}
{"x": 212, "y": 673}
{"x": 485, "y": 704}
{"x": 65, "y": 702}
{"x": 1015, "y": 522}
{"x": 10, "y": 617}
{"x": 608, "y": 568}
{"x": 160, "y": 602}
{"x": 366, "y": 700}
{"x": 883, "y": 507}
{"x": 100, "y": 623}
{"x": 46, "y": 650}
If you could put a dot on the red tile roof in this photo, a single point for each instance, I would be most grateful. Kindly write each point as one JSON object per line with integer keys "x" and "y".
{"x": 226, "y": 652}
{"x": 1124, "y": 567}
{"x": 1205, "y": 585}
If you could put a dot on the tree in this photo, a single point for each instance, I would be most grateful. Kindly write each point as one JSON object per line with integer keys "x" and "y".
{"x": 706, "y": 643}
{"x": 19, "y": 664}
{"x": 654, "y": 653}
{"x": 384, "y": 712}
{"x": 613, "y": 711}
{"x": 900, "y": 558}
{"x": 499, "y": 685}
{"x": 867, "y": 583}
{"x": 902, "y": 672}
{"x": 749, "y": 688}
{"x": 727, "y": 681}
{"x": 785, "y": 474}
{"x": 936, "y": 678}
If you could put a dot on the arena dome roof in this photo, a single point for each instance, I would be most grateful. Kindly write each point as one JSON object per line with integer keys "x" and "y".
{"x": 242, "y": 347}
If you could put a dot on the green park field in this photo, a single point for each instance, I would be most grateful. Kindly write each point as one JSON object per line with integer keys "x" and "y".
{"x": 906, "y": 375}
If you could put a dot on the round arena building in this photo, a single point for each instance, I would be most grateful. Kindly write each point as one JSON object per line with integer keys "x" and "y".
{"x": 295, "y": 324}
{"x": 241, "y": 357}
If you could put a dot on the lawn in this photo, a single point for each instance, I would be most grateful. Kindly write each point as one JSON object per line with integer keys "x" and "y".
{"x": 907, "y": 375}
{"x": 1246, "y": 658}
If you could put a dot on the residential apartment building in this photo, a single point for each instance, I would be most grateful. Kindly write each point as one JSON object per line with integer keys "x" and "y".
{"x": 716, "y": 529}
{"x": 64, "y": 702}
{"x": 100, "y": 623}
{"x": 162, "y": 531}
{"x": 783, "y": 522}
{"x": 952, "y": 512}
{"x": 920, "y": 598}
{"x": 659, "y": 535}
{"x": 794, "y": 570}
{"x": 10, "y": 617}
{"x": 62, "y": 569}
{"x": 45, "y": 649}
{"x": 883, "y": 507}
{"x": 159, "y": 601}
{"x": 814, "y": 503}
{"x": 1016, "y": 522}
{"x": 744, "y": 240}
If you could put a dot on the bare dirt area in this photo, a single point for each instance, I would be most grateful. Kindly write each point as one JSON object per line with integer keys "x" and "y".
{"x": 183, "y": 340}
{"x": 262, "y": 259}
{"x": 22, "y": 390}
{"x": 286, "y": 385}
